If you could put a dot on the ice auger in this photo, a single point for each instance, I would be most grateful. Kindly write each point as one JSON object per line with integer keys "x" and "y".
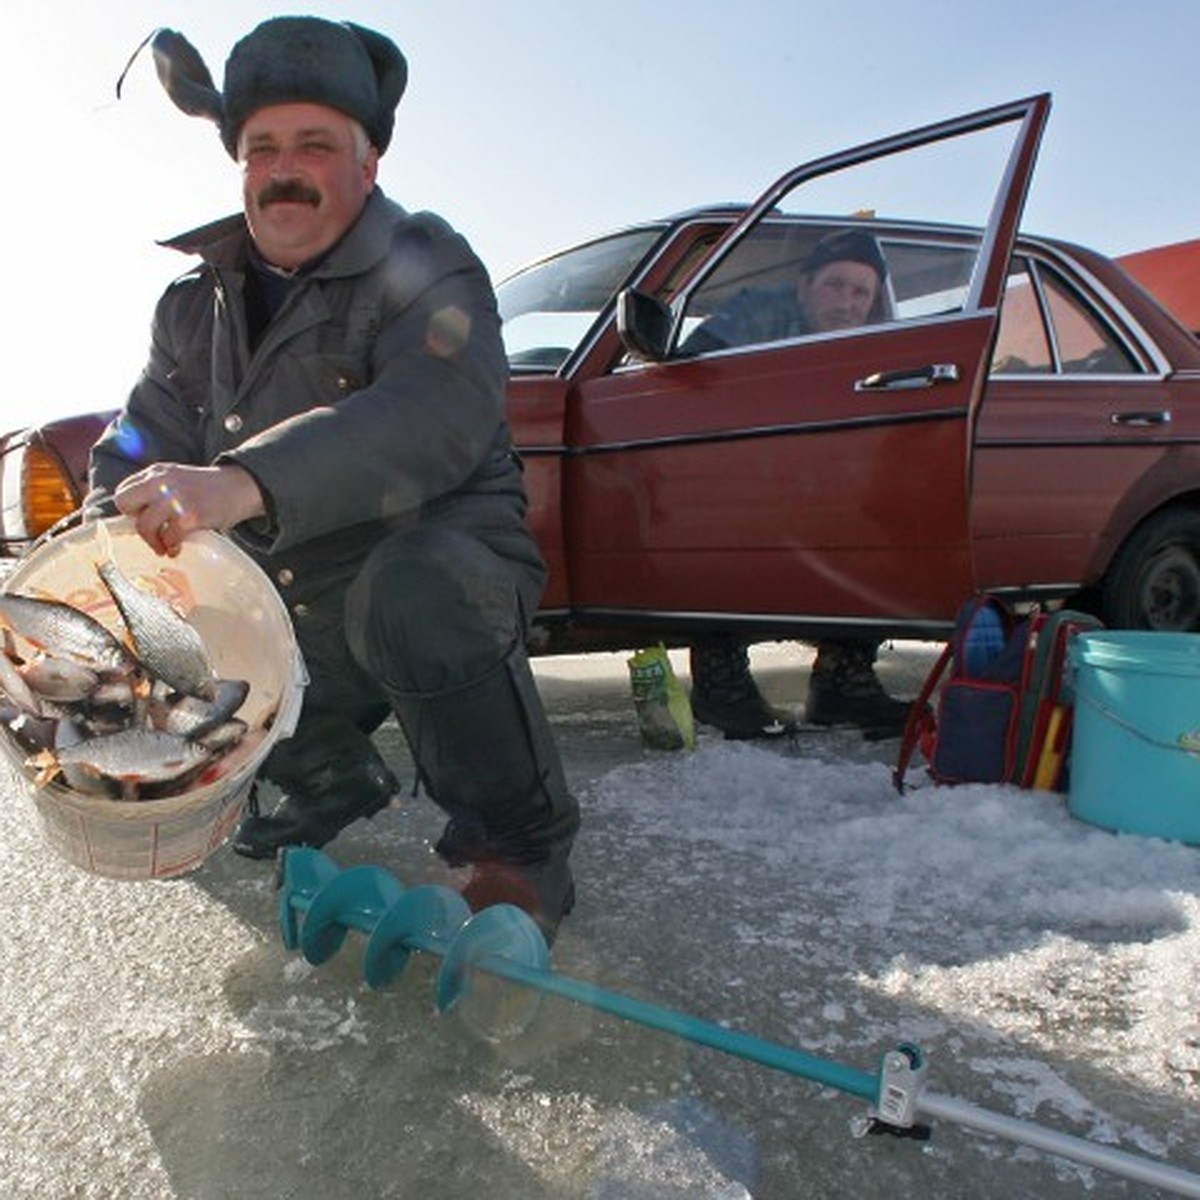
{"x": 320, "y": 903}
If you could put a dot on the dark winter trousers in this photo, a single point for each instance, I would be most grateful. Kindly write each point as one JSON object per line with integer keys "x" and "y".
{"x": 432, "y": 629}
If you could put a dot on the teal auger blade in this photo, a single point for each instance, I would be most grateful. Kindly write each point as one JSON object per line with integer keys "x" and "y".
{"x": 356, "y": 899}
{"x": 503, "y": 933}
{"x": 426, "y": 918}
{"x": 302, "y": 874}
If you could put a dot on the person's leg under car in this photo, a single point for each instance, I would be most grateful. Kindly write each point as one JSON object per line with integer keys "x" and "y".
{"x": 843, "y": 689}
{"x": 436, "y": 618}
{"x": 724, "y": 694}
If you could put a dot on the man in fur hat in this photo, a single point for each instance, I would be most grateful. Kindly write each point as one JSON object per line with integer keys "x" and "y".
{"x": 328, "y": 385}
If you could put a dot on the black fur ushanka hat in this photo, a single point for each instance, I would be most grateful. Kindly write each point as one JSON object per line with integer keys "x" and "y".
{"x": 282, "y": 61}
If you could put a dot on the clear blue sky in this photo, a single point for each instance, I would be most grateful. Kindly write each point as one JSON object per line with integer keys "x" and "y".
{"x": 532, "y": 123}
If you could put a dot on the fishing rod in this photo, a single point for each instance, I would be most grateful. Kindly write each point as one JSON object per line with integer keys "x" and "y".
{"x": 320, "y": 903}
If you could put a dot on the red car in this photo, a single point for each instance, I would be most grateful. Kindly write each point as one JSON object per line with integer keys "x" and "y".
{"x": 1019, "y": 416}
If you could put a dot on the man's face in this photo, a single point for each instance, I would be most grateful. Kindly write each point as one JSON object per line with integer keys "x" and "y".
{"x": 303, "y": 180}
{"x": 839, "y": 295}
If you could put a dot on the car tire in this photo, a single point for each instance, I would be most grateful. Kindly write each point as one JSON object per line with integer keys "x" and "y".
{"x": 1154, "y": 580}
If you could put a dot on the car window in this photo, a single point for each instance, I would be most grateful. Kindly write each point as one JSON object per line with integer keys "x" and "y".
{"x": 763, "y": 265}
{"x": 1047, "y": 328}
{"x": 925, "y": 276}
{"x": 1085, "y": 344}
{"x": 1022, "y": 343}
{"x": 760, "y": 289}
{"x": 548, "y": 308}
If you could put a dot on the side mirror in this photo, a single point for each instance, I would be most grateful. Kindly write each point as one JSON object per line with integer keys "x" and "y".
{"x": 644, "y": 323}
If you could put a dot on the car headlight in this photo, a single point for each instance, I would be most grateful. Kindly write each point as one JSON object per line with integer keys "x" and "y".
{"x": 36, "y": 489}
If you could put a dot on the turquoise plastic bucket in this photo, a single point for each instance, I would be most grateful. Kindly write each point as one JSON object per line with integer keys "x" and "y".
{"x": 1135, "y": 749}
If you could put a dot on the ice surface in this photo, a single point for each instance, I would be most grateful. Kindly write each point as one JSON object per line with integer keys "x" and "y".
{"x": 161, "y": 1043}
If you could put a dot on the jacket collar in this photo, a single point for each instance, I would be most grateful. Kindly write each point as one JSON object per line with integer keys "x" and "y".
{"x": 223, "y": 243}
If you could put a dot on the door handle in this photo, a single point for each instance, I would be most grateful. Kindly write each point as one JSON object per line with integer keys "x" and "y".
{"x": 1161, "y": 416}
{"x": 914, "y": 377}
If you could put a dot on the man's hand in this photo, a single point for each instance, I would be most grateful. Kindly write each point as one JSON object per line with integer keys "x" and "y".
{"x": 167, "y": 501}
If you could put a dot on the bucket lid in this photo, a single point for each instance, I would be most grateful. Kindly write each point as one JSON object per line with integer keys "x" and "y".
{"x": 1138, "y": 650}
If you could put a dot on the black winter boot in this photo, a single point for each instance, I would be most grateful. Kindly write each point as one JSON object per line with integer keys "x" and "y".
{"x": 843, "y": 689}
{"x": 332, "y": 775}
{"x": 487, "y": 756}
{"x": 725, "y": 695}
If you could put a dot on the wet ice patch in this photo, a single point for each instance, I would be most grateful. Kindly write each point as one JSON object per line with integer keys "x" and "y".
{"x": 666, "y": 1155}
{"x": 306, "y": 1023}
{"x": 1037, "y": 1090}
{"x": 675, "y": 1150}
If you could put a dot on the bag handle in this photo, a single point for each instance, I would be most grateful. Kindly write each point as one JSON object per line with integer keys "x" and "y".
{"x": 918, "y": 714}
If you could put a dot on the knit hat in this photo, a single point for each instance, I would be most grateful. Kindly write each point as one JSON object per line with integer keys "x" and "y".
{"x": 847, "y": 245}
{"x": 287, "y": 60}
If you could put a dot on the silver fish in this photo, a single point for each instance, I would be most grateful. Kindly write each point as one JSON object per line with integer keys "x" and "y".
{"x": 167, "y": 645}
{"x": 221, "y": 738}
{"x": 31, "y": 732}
{"x": 116, "y": 690}
{"x": 54, "y": 677}
{"x": 194, "y": 716}
{"x": 62, "y": 630}
{"x": 14, "y": 685}
{"x": 133, "y": 756}
{"x": 69, "y": 734}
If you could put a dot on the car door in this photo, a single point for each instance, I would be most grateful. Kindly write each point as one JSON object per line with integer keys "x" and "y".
{"x": 811, "y": 480}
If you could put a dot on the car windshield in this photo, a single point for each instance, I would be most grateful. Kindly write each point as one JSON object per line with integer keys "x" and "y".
{"x": 548, "y": 308}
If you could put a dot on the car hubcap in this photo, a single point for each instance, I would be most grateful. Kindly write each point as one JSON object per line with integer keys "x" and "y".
{"x": 1170, "y": 593}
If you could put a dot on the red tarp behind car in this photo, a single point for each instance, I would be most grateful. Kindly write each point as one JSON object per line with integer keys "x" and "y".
{"x": 1172, "y": 274}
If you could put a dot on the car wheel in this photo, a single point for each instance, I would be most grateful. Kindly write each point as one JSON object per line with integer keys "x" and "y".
{"x": 1154, "y": 581}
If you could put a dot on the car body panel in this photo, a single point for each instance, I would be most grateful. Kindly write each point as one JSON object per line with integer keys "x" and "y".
{"x": 1067, "y": 464}
{"x": 538, "y": 410}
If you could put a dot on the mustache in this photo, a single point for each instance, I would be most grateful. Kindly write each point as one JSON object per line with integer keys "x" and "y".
{"x": 288, "y": 191}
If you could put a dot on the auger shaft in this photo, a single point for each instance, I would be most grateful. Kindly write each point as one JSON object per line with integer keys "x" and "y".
{"x": 705, "y": 1033}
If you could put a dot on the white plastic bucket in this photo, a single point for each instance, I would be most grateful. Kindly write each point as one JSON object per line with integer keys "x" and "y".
{"x": 248, "y": 635}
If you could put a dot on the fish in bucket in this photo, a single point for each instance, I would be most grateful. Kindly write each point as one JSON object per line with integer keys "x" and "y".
{"x": 141, "y": 694}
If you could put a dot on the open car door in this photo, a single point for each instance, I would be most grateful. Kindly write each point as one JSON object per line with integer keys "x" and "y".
{"x": 804, "y": 479}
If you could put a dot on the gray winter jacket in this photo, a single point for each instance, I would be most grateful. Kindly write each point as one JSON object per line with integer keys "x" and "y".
{"x": 375, "y": 400}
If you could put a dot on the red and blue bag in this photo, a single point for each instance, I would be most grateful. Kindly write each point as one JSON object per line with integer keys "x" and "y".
{"x": 996, "y": 707}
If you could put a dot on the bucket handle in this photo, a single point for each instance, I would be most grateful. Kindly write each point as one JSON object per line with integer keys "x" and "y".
{"x": 1191, "y": 748}
{"x": 62, "y": 525}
